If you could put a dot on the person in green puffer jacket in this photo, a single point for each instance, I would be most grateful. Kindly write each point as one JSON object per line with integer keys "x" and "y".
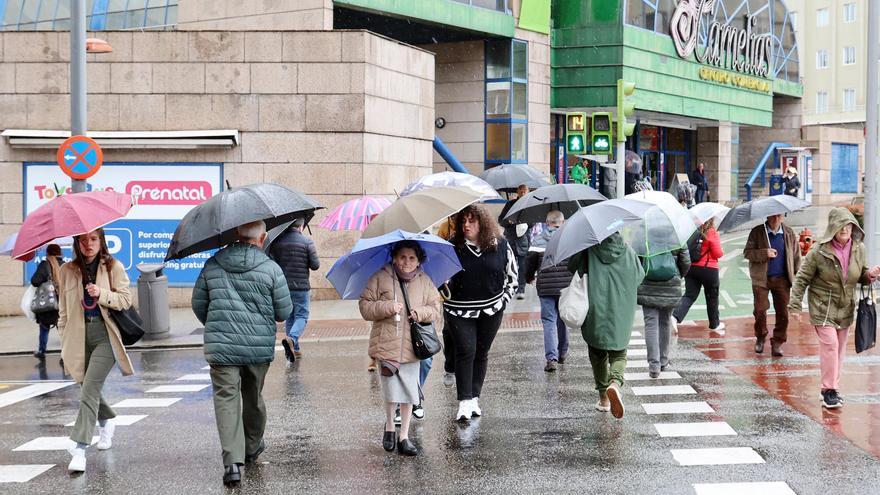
{"x": 832, "y": 270}
{"x": 239, "y": 296}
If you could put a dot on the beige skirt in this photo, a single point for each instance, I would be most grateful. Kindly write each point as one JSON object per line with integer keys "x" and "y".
{"x": 402, "y": 388}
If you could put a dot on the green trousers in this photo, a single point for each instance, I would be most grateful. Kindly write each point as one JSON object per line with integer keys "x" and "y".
{"x": 99, "y": 362}
{"x": 239, "y": 408}
{"x": 608, "y": 366}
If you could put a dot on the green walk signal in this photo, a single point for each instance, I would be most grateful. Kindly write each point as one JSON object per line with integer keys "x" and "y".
{"x": 601, "y": 133}
{"x": 576, "y": 132}
{"x": 625, "y": 109}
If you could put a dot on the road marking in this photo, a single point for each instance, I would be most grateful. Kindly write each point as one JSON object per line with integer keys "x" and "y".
{"x": 636, "y": 352}
{"x": 22, "y": 473}
{"x": 636, "y": 364}
{"x": 195, "y": 377}
{"x": 753, "y": 488}
{"x": 722, "y": 272}
{"x": 121, "y": 420}
{"x": 637, "y": 342}
{"x": 704, "y": 429}
{"x": 178, "y": 388}
{"x": 731, "y": 255}
{"x": 664, "y": 390}
{"x": 664, "y": 375}
{"x": 727, "y": 299}
{"x": 636, "y": 334}
{"x": 30, "y": 392}
{"x": 49, "y": 443}
{"x": 146, "y": 402}
{"x": 715, "y": 457}
{"x": 745, "y": 270}
{"x": 735, "y": 238}
{"x": 677, "y": 407}
{"x": 206, "y": 367}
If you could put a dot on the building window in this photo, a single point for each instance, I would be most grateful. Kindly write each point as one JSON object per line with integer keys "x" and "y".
{"x": 29, "y": 15}
{"x": 849, "y": 55}
{"x": 507, "y": 107}
{"x": 821, "y": 59}
{"x": 821, "y": 17}
{"x": 849, "y": 12}
{"x": 844, "y": 168}
{"x": 849, "y": 100}
{"x": 821, "y": 102}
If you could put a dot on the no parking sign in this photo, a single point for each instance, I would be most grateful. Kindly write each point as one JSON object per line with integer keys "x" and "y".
{"x": 79, "y": 157}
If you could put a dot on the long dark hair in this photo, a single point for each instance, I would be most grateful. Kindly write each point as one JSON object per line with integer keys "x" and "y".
{"x": 53, "y": 251}
{"x": 103, "y": 254}
{"x": 488, "y": 227}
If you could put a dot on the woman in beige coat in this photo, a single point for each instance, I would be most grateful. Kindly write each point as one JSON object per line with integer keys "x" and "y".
{"x": 390, "y": 343}
{"x": 90, "y": 285}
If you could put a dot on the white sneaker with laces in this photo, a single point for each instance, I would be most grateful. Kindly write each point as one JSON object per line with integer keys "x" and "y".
{"x": 673, "y": 325}
{"x": 719, "y": 329}
{"x": 464, "y": 410}
{"x": 448, "y": 379}
{"x": 475, "y": 407}
{"x": 77, "y": 460}
{"x": 106, "y": 435}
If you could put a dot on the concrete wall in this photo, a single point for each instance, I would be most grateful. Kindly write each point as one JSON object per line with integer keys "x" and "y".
{"x": 255, "y": 15}
{"x": 714, "y": 151}
{"x": 787, "y": 119}
{"x": 332, "y": 114}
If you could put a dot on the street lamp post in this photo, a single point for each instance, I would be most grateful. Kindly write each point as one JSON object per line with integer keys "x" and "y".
{"x": 78, "y": 109}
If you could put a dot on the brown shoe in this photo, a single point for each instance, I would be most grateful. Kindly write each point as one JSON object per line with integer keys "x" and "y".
{"x": 759, "y": 346}
{"x": 616, "y": 399}
{"x": 775, "y": 349}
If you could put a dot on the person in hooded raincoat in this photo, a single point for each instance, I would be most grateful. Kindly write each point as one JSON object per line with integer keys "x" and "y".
{"x": 614, "y": 275}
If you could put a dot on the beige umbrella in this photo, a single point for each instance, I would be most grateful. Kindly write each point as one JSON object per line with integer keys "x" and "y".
{"x": 421, "y": 210}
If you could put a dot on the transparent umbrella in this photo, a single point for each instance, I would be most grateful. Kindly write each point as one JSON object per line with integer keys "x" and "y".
{"x": 666, "y": 226}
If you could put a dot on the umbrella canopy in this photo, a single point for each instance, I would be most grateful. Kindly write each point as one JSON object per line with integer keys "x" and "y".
{"x": 350, "y": 273}
{"x": 452, "y": 179}
{"x": 704, "y": 211}
{"x": 355, "y": 214}
{"x": 760, "y": 209}
{"x": 592, "y": 225}
{"x": 421, "y": 210}
{"x": 213, "y": 223}
{"x": 567, "y": 198}
{"x": 507, "y": 177}
{"x": 632, "y": 162}
{"x": 9, "y": 243}
{"x": 69, "y": 215}
{"x": 666, "y": 226}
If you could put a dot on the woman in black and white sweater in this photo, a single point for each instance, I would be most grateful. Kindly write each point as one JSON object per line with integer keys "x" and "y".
{"x": 475, "y": 301}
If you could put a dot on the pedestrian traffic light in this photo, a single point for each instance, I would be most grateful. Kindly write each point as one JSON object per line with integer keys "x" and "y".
{"x": 625, "y": 109}
{"x": 576, "y": 132}
{"x": 601, "y": 135}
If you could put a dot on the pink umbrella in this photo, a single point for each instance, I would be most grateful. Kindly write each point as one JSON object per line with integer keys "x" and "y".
{"x": 355, "y": 214}
{"x": 69, "y": 215}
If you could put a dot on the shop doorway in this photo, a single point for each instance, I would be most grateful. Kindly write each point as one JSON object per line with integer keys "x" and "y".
{"x": 665, "y": 151}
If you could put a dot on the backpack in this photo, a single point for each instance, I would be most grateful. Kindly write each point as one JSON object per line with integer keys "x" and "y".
{"x": 695, "y": 246}
{"x": 660, "y": 267}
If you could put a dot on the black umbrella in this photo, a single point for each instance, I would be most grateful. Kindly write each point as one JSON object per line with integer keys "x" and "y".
{"x": 213, "y": 223}
{"x": 507, "y": 177}
{"x": 567, "y": 198}
{"x": 761, "y": 208}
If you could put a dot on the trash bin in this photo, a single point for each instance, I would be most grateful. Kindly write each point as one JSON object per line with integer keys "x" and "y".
{"x": 775, "y": 185}
{"x": 153, "y": 300}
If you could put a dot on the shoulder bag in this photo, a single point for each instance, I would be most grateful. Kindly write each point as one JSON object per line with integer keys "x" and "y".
{"x": 424, "y": 337}
{"x": 866, "y": 320}
{"x": 574, "y": 302}
{"x": 45, "y": 298}
{"x": 128, "y": 321}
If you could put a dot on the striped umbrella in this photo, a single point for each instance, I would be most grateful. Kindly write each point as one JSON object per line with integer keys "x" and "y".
{"x": 355, "y": 214}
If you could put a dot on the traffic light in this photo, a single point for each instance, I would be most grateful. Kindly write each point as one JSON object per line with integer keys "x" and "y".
{"x": 601, "y": 135}
{"x": 576, "y": 133}
{"x": 625, "y": 109}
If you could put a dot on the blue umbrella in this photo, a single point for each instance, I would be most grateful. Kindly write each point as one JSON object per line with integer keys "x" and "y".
{"x": 350, "y": 273}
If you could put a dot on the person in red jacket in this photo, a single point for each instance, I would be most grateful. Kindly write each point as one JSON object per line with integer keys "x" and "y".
{"x": 704, "y": 273}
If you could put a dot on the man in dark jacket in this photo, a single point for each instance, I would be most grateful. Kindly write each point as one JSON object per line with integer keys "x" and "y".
{"x": 239, "y": 296}
{"x": 698, "y": 178}
{"x": 517, "y": 235}
{"x": 659, "y": 294}
{"x": 296, "y": 254}
{"x": 551, "y": 281}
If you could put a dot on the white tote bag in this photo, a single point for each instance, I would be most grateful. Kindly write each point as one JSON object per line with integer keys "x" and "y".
{"x": 574, "y": 302}
{"x": 26, "y": 300}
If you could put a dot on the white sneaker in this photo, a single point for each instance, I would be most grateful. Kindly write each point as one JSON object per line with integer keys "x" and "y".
{"x": 448, "y": 379}
{"x": 673, "y": 325}
{"x": 464, "y": 411}
{"x": 106, "y": 435}
{"x": 719, "y": 329}
{"x": 475, "y": 407}
{"x": 77, "y": 460}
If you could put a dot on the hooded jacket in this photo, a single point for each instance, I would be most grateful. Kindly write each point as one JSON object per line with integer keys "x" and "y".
{"x": 614, "y": 275}
{"x": 666, "y": 294}
{"x": 239, "y": 296}
{"x": 831, "y": 299}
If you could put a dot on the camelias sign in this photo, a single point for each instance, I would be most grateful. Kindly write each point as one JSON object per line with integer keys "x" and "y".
{"x": 725, "y": 46}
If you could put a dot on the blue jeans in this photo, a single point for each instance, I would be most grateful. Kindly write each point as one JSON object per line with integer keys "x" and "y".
{"x": 44, "y": 338}
{"x": 555, "y": 332}
{"x": 295, "y": 325}
{"x": 424, "y": 369}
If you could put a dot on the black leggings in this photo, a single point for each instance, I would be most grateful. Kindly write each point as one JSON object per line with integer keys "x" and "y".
{"x": 697, "y": 277}
{"x": 473, "y": 338}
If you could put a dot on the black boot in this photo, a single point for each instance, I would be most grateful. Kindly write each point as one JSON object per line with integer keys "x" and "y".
{"x": 388, "y": 440}
{"x": 231, "y": 475}
{"x": 249, "y": 458}
{"x": 405, "y": 447}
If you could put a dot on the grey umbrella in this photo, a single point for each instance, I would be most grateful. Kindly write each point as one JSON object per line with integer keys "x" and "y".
{"x": 760, "y": 209}
{"x": 212, "y": 224}
{"x": 567, "y": 198}
{"x": 592, "y": 225}
{"x": 507, "y": 177}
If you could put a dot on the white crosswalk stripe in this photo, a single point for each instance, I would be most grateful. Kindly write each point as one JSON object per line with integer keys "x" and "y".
{"x": 178, "y": 388}
{"x": 698, "y": 407}
{"x": 195, "y": 377}
{"x": 716, "y": 456}
{"x": 145, "y": 403}
{"x": 121, "y": 419}
{"x": 707, "y": 429}
{"x": 664, "y": 390}
{"x": 752, "y": 488}
{"x": 31, "y": 391}
{"x": 49, "y": 443}
{"x": 22, "y": 473}
{"x": 664, "y": 375}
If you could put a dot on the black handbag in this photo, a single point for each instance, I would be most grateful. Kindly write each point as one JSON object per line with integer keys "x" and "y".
{"x": 128, "y": 321}
{"x": 45, "y": 299}
{"x": 424, "y": 337}
{"x": 866, "y": 321}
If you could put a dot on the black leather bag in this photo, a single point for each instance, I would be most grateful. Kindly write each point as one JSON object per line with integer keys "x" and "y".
{"x": 866, "y": 321}
{"x": 424, "y": 337}
{"x": 128, "y": 321}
